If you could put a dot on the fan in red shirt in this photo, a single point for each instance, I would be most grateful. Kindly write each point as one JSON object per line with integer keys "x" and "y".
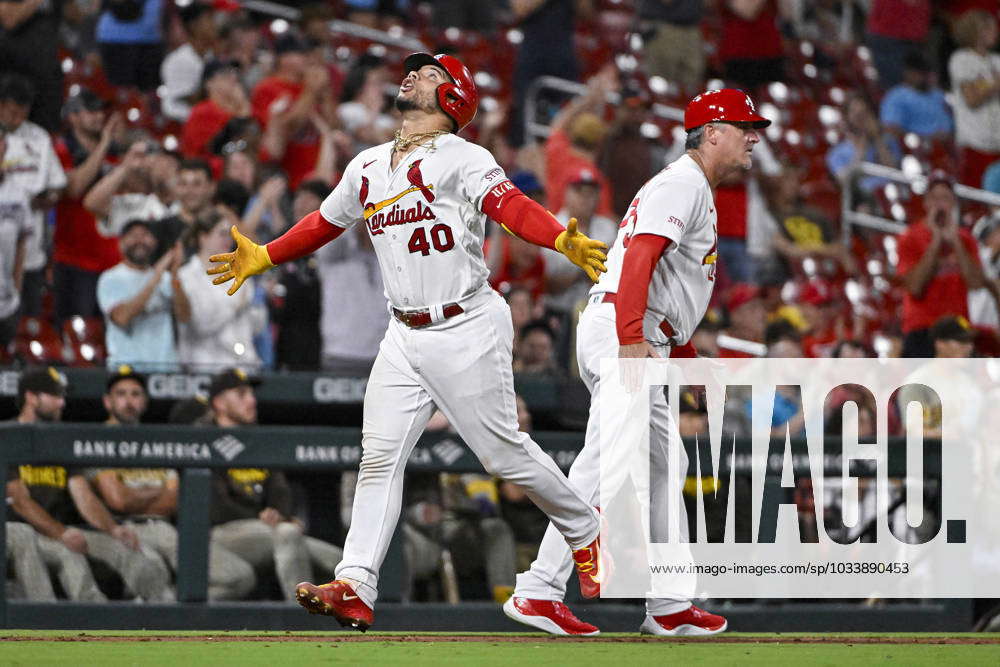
{"x": 744, "y": 336}
{"x": 938, "y": 265}
{"x": 79, "y": 252}
{"x": 822, "y": 310}
{"x": 223, "y": 116}
{"x": 577, "y": 135}
{"x": 750, "y": 47}
{"x": 283, "y": 103}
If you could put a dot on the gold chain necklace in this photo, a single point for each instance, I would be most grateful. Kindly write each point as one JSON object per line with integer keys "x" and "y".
{"x": 401, "y": 143}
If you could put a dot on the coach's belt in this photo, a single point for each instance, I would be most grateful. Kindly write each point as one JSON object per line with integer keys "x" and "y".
{"x": 422, "y": 318}
{"x": 665, "y": 327}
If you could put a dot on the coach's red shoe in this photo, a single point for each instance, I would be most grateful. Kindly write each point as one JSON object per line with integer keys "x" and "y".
{"x": 692, "y": 622}
{"x": 551, "y": 616}
{"x": 336, "y": 599}
{"x": 589, "y": 569}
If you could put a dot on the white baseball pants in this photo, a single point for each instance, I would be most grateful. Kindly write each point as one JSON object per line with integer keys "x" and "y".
{"x": 597, "y": 339}
{"x": 463, "y": 366}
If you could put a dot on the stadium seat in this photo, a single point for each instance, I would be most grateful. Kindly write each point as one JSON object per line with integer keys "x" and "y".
{"x": 36, "y": 328}
{"x": 39, "y": 350}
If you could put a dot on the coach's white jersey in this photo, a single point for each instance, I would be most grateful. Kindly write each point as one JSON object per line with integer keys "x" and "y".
{"x": 423, "y": 217}
{"x": 676, "y": 203}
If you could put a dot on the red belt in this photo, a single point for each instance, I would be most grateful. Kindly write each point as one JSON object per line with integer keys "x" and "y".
{"x": 422, "y": 318}
{"x": 609, "y": 297}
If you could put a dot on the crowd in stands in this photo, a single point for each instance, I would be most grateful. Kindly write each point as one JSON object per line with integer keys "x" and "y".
{"x": 130, "y": 149}
{"x": 135, "y": 133}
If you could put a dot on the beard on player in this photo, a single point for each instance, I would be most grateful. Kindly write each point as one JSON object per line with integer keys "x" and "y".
{"x": 417, "y": 102}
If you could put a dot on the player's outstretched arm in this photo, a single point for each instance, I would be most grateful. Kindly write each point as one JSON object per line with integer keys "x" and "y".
{"x": 249, "y": 259}
{"x": 527, "y": 219}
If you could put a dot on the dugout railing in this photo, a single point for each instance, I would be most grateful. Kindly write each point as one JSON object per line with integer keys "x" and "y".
{"x": 197, "y": 450}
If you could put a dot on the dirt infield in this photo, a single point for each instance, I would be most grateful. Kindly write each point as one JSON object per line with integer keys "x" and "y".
{"x": 844, "y": 640}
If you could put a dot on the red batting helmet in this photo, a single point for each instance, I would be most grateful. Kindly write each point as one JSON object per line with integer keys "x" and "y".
{"x": 458, "y": 99}
{"x": 726, "y": 105}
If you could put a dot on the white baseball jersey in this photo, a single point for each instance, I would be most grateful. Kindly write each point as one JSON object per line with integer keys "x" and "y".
{"x": 423, "y": 217}
{"x": 31, "y": 167}
{"x": 678, "y": 204}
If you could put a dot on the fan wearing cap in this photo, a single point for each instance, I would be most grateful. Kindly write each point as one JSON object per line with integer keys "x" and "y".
{"x": 79, "y": 252}
{"x": 140, "y": 300}
{"x": 69, "y": 517}
{"x": 821, "y": 305}
{"x": 283, "y": 103}
{"x": 424, "y": 200}
{"x": 744, "y": 336}
{"x": 565, "y": 286}
{"x": 223, "y": 112}
{"x": 938, "y": 265}
{"x": 661, "y": 273}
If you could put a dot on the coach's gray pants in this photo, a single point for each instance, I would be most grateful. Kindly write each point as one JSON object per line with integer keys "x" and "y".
{"x": 546, "y": 580}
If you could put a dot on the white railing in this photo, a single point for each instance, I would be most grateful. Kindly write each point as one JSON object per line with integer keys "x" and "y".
{"x": 281, "y": 11}
{"x": 533, "y": 129}
{"x": 850, "y": 217}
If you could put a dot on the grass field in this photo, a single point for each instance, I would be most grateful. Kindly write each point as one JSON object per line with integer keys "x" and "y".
{"x": 183, "y": 649}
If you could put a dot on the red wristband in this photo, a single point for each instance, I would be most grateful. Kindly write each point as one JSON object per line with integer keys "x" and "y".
{"x": 521, "y": 215}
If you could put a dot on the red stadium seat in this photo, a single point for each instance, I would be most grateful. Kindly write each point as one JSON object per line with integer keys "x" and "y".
{"x": 84, "y": 330}
{"x": 36, "y": 328}
{"x": 39, "y": 351}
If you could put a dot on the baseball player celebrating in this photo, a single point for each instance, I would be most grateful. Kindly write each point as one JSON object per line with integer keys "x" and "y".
{"x": 424, "y": 199}
{"x": 661, "y": 271}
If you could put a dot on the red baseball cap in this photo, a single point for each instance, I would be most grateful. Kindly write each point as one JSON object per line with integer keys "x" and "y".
{"x": 940, "y": 176}
{"x": 740, "y": 294}
{"x": 727, "y": 105}
{"x": 816, "y": 293}
{"x": 584, "y": 176}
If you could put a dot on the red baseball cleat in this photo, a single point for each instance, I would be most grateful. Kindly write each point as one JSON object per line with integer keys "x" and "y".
{"x": 336, "y": 599}
{"x": 589, "y": 569}
{"x": 692, "y": 622}
{"x": 551, "y": 616}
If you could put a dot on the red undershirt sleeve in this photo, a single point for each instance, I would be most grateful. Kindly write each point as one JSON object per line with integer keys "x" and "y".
{"x": 644, "y": 250}
{"x": 521, "y": 215}
{"x": 304, "y": 237}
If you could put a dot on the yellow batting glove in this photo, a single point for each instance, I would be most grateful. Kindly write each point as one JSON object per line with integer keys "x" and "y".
{"x": 247, "y": 260}
{"x": 583, "y": 251}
